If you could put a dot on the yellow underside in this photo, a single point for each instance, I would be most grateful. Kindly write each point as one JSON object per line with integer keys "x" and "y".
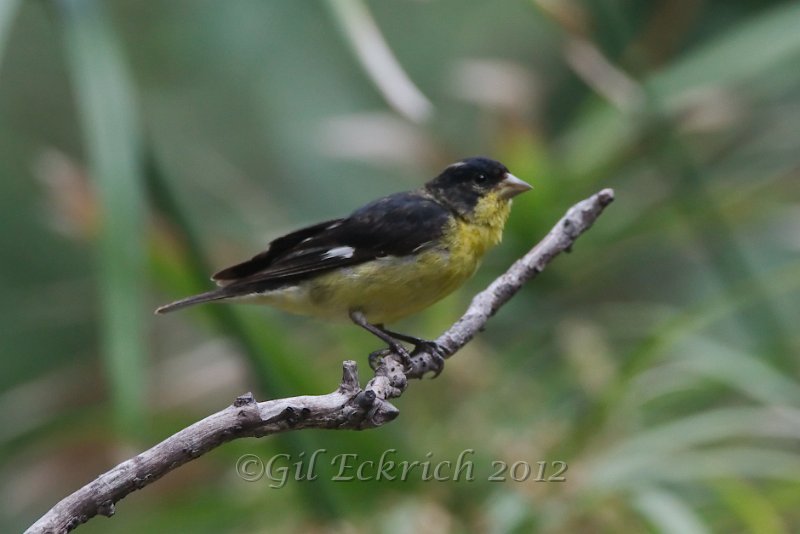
{"x": 391, "y": 288}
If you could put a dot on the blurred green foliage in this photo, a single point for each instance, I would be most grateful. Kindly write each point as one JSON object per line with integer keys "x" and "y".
{"x": 145, "y": 144}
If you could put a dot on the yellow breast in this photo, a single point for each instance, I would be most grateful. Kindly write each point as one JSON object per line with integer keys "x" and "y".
{"x": 483, "y": 230}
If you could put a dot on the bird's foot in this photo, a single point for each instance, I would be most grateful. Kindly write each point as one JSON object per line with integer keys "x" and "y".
{"x": 436, "y": 352}
{"x": 376, "y": 357}
{"x": 395, "y": 348}
{"x": 401, "y": 351}
{"x": 421, "y": 346}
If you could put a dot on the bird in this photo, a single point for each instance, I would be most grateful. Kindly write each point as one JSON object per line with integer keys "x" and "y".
{"x": 388, "y": 259}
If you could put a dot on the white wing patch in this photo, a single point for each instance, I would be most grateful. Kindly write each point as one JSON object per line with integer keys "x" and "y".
{"x": 422, "y": 246}
{"x": 339, "y": 252}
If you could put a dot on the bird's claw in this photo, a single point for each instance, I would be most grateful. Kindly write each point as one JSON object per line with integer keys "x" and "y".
{"x": 405, "y": 357}
{"x": 375, "y": 357}
{"x": 436, "y": 353}
{"x": 433, "y": 349}
{"x": 438, "y": 364}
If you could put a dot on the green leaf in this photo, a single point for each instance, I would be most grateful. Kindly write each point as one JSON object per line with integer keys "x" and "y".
{"x": 8, "y": 10}
{"x": 105, "y": 103}
{"x": 752, "y": 506}
{"x": 667, "y": 512}
{"x": 745, "y": 51}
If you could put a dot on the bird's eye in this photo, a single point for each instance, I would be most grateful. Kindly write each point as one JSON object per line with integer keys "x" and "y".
{"x": 481, "y": 179}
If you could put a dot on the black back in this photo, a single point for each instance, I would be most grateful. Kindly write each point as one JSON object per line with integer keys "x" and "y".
{"x": 397, "y": 225}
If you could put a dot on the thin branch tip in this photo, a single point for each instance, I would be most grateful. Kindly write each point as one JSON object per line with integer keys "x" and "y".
{"x": 244, "y": 400}
{"x": 350, "y": 380}
{"x": 606, "y": 196}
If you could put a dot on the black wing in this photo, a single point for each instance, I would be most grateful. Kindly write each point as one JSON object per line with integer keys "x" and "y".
{"x": 276, "y": 248}
{"x": 397, "y": 225}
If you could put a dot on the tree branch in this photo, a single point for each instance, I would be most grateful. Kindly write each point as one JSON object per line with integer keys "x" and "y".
{"x": 349, "y": 407}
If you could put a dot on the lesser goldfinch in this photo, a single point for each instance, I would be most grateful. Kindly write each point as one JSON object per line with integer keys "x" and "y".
{"x": 390, "y": 258}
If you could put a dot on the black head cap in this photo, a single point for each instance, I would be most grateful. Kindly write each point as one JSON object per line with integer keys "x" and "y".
{"x": 462, "y": 184}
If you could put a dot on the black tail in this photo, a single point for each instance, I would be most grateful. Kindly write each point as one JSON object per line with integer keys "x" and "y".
{"x": 209, "y": 296}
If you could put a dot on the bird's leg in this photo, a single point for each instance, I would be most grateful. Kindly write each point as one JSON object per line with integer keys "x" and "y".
{"x": 436, "y": 351}
{"x": 358, "y": 318}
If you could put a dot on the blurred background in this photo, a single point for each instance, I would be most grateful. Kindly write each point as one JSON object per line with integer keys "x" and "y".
{"x": 143, "y": 145}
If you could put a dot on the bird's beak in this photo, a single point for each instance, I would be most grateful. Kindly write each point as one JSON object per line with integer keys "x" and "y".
{"x": 511, "y": 186}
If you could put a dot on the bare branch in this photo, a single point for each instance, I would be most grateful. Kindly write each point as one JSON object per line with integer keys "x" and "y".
{"x": 349, "y": 407}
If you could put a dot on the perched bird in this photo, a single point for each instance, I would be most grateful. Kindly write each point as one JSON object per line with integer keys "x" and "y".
{"x": 390, "y": 258}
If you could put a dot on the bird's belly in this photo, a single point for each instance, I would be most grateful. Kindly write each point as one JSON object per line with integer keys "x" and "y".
{"x": 385, "y": 289}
